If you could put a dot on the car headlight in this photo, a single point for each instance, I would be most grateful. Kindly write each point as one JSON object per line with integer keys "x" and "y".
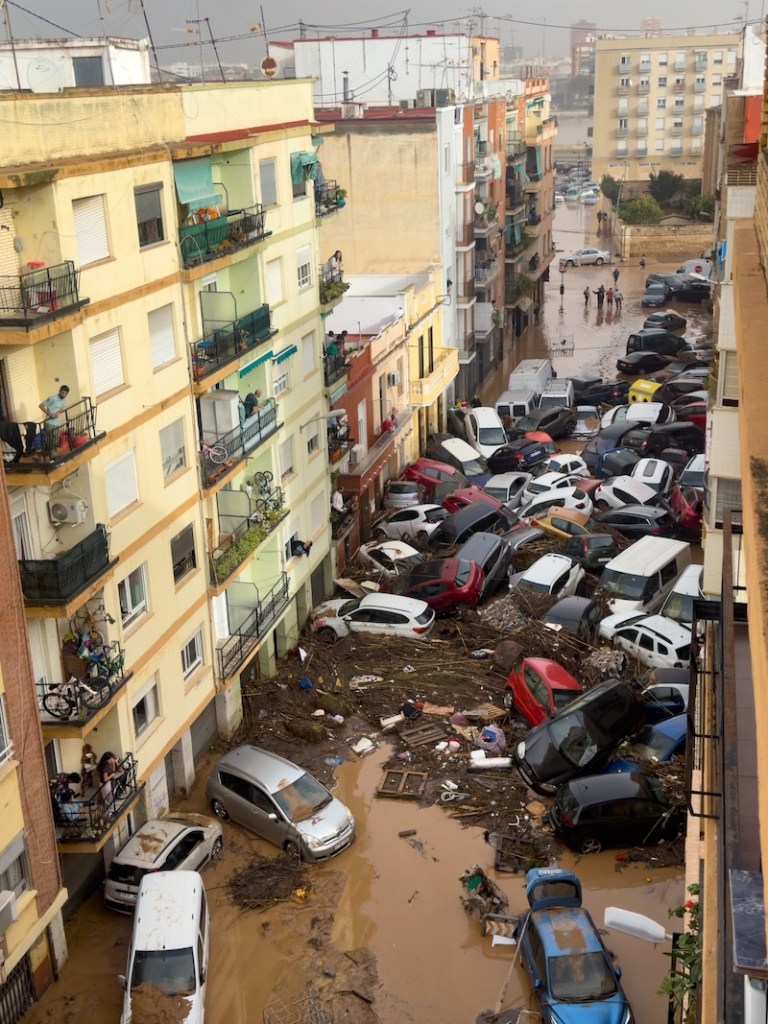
{"x": 314, "y": 842}
{"x": 520, "y": 751}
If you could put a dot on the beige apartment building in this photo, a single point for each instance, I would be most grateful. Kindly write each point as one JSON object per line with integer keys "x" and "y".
{"x": 651, "y": 98}
{"x": 160, "y": 256}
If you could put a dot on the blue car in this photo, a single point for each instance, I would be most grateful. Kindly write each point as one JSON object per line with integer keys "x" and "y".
{"x": 573, "y": 974}
{"x": 660, "y": 742}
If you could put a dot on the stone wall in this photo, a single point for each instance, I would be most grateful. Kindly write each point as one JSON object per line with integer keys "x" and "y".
{"x": 665, "y": 242}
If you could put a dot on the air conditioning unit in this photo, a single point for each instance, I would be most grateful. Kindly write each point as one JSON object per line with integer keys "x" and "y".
{"x": 444, "y": 97}
{"x": 393, "y": 379}
{"x": 425, "y": 98}
{"x": 352, "y": 110}
{"x": 8, "y": 912}
{"x": 67, "y": 510}
{"x": 355, "y": 454}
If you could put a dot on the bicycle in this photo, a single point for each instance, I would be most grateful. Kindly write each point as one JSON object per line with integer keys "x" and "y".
{"x": 273, "y": 502}
{"x": 263, "y": 480}
{"x": 83, "y": 627}
{"x": 106, "y": 666}
{"x": 216, "y": 453}
{"x": 65, "y": 699}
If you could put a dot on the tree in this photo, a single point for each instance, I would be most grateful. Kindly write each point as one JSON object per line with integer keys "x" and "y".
{"x": 664, "y": 186}
{"x": 609, "y": 187}
{"x": 700, "y": 207}
{"x": 641, "y": 210}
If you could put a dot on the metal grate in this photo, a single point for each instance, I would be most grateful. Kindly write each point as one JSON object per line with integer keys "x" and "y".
{"x": 302, "y": 1010}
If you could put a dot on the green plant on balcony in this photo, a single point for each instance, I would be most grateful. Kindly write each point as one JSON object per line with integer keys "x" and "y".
{"x": 332, "y": 290}
{"x": 683, "y": 981}
{"x": 239, "y": 550}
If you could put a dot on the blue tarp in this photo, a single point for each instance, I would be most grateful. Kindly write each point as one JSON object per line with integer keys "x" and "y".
{"x": 303, "y": 165}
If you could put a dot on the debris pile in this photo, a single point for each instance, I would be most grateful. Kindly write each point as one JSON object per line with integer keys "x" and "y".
{"x": 269, "y": 881}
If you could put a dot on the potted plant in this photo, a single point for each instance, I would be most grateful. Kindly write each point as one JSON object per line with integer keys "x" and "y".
{"x": 341, "y": 197}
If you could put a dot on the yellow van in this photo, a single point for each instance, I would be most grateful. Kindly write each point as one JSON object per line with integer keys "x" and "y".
{"x": 643, "y": 390}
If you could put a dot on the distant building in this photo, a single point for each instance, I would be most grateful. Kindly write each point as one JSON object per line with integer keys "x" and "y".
{"x": 581, "y": 31}
{"x": 50, "y": 65}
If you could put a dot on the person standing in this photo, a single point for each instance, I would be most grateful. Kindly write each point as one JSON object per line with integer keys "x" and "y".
{"x": 609, "y": 298}
{"x": 587, "y": 296}
{"x": 642, "y": 262}
{"x": 53, "y": 407}
{"x": 618, "y": 298}
{"x": 600, "y": 293}
{"x": 615, "y": 276}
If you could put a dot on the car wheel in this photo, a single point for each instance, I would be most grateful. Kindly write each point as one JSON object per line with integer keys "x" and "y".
{"x": 570, "y": 263}
{"x": 599, "y": 261}
{"x": 602, "y": 506}
{"x": 327, "y": 635}
{"x": 292, "y": 850}
{"x": 421, "y": 536}
{"x": 509, "y": 701}
{"x": 218, "y": 846}
{"x": 219, "y": 809}
{"x": 590, "y": 845}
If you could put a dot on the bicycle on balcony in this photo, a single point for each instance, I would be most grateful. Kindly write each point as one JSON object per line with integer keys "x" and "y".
{"x": 76, "y": 697}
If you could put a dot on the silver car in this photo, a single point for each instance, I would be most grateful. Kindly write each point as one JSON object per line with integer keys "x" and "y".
{"x": 280, "y": 802}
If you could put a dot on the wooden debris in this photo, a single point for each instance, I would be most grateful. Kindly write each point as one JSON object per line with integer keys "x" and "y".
{"x": 401, "y": 783}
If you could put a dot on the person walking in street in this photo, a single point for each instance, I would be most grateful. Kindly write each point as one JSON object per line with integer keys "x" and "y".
{"x": 615, "y": 276}
{"x": 618, "y": 298}
{"x": 600, "y": 293}
{"x": 642, "y": 262}
{"x": 609, "y": 298}
{"x": 587, "y": 296}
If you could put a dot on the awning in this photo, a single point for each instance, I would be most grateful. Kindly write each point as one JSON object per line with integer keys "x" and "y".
{"x": 317, "y": 140}
{"x": 194, "y": 182}
{"x": 303, "y": 166}
{"x": 256, "y": 362}
{"x": 286, "y": 353}
{"x": 338, "y": 393}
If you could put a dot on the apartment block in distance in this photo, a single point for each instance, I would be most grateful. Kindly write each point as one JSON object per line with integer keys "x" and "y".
{"x": 161, "y": 260}
{"x": 651, "y": 98}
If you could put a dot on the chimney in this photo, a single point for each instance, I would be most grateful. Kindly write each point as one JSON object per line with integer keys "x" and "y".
{"x": 345, "y": 85}
{"x": 431, "y": 31}
{"x": 374, "y": 33}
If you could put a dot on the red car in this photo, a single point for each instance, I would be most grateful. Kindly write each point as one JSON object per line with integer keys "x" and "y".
{"x": 538, "y": 689}
{"x": 688, "y": 507}
{"x": 443, "y": 583}
{"x": 430, "y": 474}
{"x": 692, "y": 408}
{"x": 468, "y": 496}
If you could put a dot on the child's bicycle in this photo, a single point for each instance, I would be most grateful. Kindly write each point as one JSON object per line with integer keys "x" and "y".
{"x": 66, "y": 699}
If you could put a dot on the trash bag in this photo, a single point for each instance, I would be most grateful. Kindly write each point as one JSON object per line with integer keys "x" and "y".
{"x": 492, "y": 739}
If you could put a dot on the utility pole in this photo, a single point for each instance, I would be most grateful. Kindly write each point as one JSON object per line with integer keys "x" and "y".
{"x": 198, "y": 21}
{"x": 213, "y": 44}
{"x": 9, "y": 35}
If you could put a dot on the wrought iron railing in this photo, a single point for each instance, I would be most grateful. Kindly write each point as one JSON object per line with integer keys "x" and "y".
{"x": 77, "y": 700}
{"x": 334, "y": 368}
{"x": 40, "y": 293}
{"x": 234, "y": 652}
{"x": 327, "y": 198}
{"x": 245, "y": 535}
{"x": 200, "y": 243}
{"x": 231, "y": 341}
{"x": 57, "y": 580}
{"x": 223, "y": 453}
{"x": 43, "y": 444}
{"x": 82, "y": 820}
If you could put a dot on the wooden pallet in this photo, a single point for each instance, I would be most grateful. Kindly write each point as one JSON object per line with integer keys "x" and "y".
{"x": 403, "y": 784}
{"x": 485, "y": 713}
{"x": 418, "y": 735}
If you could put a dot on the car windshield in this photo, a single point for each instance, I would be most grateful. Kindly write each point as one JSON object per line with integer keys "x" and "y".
{"x": 475, "y": 467}
{"x": 463, "y": 572}
{"x": 491, "y": 435}
{"x": 500, "y": 493}
{"x": 581, "y": 977}
{"x": 570, "y": 734}
{"x": 347, "y": 607}
{"x": 302, "y": 798}
{"x": 126, "y": 874}
{"x": 170, "y": 970}
{"x": 562, "y": 698}
{"x": 624, "y": 584}
{"x": 652, "y": 745}
{"x": 679, "y": 607}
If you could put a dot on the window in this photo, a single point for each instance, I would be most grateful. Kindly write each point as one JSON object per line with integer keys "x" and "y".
{"x": 14, "y": 872}
{"x": 679, "y": 104}
{"x": 313, "y": 443}
{"x": 146, "y": 707}
{"x": 107, "y": 362}
{"x": 88, "y": 71}
{"x": 727, "y": 495}
{"x": 268, "y": 181}
{"x": 292, "y": 541}
{"x": 662, "y": 60}
{"x": 701, "y": 57}
{"x": 308, "y": 353}
{"x": 717, "y": 57}
{"x": 6, "y": 744}
{"x": 677, "y": 124}
{"x": 132, "y": 593}
{"x": 621, "y": 148}
{"x": 623, "y": 105}
{"x": 642, "y": 125}
{"x": 624, "y": 83}
{"x": 192, "y": 654}
{"x": 680, "y": 59}
{"x": 658, "y": 146}
{"x": 149, "y": 213}
{"x": 645, "y": 84}
{"x": 714, "y": 99}
{"x": 623, "y": 124}
{"x": 304, "y": 266}
{"x": 317, "y": 512}
{"x": 183, "y": 553}
{"x": 716, "y": 80}
{"x": 121, "y": 483}
{"x": 172, "y": 449}
{"x": 730, "y": 378}
{"x": 661, "y": 81}
{"x": 282, "y": 381}
{"x": 698, "y": 102}
{"x": 90, "y": 230}
{"x": 661, "y": 102}
{"x": 275, "y": 281}
{"x": 161, "y": 335}
{"x": 286, "y": 458}
{"x": 625, "y": 62}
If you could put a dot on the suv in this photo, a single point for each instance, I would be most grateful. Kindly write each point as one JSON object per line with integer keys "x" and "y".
{"x": 475, "y": 518}
{"x": 656, "y": 339}
{"x": 492, "y": 554}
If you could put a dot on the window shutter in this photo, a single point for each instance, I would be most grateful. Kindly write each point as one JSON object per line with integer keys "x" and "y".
{"x": 268, "y": 182}
{"x": 730, "y": 377}
{"x": 275, "y": 281}
{"x": 122, "y": 487}
{"x": 161, "y": 335}
{"x": 90, "y": 229}
{"x": 107, "y": 362}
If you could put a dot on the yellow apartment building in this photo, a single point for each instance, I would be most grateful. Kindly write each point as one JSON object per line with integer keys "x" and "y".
{"x": 160, "y": 253}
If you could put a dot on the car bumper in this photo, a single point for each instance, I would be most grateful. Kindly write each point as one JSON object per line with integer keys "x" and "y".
{"x": 333, "y": 848}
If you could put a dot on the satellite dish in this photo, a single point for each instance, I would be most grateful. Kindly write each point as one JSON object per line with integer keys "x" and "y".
{"x": 479, "y": 207}
{"x": 269, "y": 67}
{"x": 45, "y": 75}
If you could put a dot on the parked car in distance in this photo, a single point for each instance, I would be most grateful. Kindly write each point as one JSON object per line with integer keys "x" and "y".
{"x": 553, "y": 575}
{"x": 574, "y": 976}
{"x": 517, "y": 455}
{"x": 538, "y": 688}
{"x": 586, "y": 257}
{"x": 602, "y": 392}
{"x": 179, "y": 843}
{"x": 655, "y": 473}
{"x": 384, "y": 614}
{"x": 666, "y": 318}
{"x": 617, "y": 462}
{"x": 636, "y": 520}
{"x": 638, "y": 413}
{"x": 672, "y": 389}
{"x": 654, "y": 640}
{"x": 414, "y": 523}
{"x": 492, "y": 554}
{"x": 655, "y": 339}
{"x": 476, "y": 518}
{"x": 660, "y": 743}
{"x": 390, "y": 557}
{"x": 602, "y": 811}
{"x": 656, "y": 295}
{"x": 640, "y": 363}
{"x": 443, "y": 584}
{"x": 402, "y": 494}
{"x": 691, "y": 290}
{"x": 560, "y": 497}
{"x": 653, "y": 440}
{"x": 673, "y": 280}
{"x": 541, "y": 437}
{"x": 679, "y": 365}
{"x": 508, "y": 488}
{"x": 587, "y": 422}
{"x": 577, "y": 615}
{"x": 580, "y": 739}
{"x": 593, "y": 551}
{"x": 464, "y": 496}
{"x": 429, "y": 473}
{"x": 693, "y": 474}
{"x": 555, "y": 420}
{"x": 280, "y": 802}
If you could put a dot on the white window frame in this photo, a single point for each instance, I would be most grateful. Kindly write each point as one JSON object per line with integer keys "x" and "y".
{"x": 89, "y": 214}
{"x": 149, "y": 696}
{"x": 268, "y": 195}
{"x": 661, "y": 102}
{"x": 131, "y": 609}
{"x": 728, "y": 494}
{"x": 318, "y": 512}
{"x": 663, "y": 60}
{"x": 625, "y": 83}
{"x": 313, "y": 442}
{"x": 173, "y": 449}
{"x": 621, "y": 148}
{"x": 162, "y": 336}
{"x": 661, "y": 82}
{"x": 304, "y": 267}
{"x": 107, "y": 367}
{"x": 658, "y": 145}
{"x": 623, "y": 106}
{"x": 122, "y": 484}
{"x": 192, "y": 654}
{"x": 282, "y": 381}
{"x": 14, "y": 867}
{"x": 308, "y": 361}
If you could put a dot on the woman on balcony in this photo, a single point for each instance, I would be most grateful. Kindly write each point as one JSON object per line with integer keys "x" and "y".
{"x": 334, "y": 268}
{"x": 109, "y": 771}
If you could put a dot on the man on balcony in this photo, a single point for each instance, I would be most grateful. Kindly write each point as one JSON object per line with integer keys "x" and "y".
{"x": 53, "y": 406}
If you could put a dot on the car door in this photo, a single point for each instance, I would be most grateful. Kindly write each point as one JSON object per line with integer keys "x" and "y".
{"x": 367, "y": 620}
{"x": 250, "y": 807}
{"x": 436, "y": 593}
{"x": 402, "y": 524}
{"x": 188, "y": 853}
{"x": 628, "y": 639}
{"x": 534, "y": 696}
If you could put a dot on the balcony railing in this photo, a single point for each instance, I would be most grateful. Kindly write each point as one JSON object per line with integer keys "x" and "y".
{"x": 678, "y": 87}
{"x": 621, "y": 133}
{"x": 200, "y": 243}
{"x": 229, "y": 342}
{"x": 642, "y": 108}
{"x": 641, "y": 130}
{"x": 699, "y": 86}
{"x": 89, "y": 819}
{"x": 426, "y": 390}
{"x": 486, "y": 274}
{"x": 516, "y": 145}
{"x": 57, "y": 580}
{"x": 247, "y": 534}
{"x": 339, "y": 443}
{"x": 40, "y": 294}
{"x": 38, "y": 447}
{"x": 332, "y": 284}
{"x": 486, "y": 224}
{"x": 220, "y": 455}
{"x": 242, "y": 643}
{"x": 334, "y": 368}
{"x": 644, "y": 87}
{"x": 623, "y": 90}
{"x": 327, "y": 198}
{"x": 465, "y": 173}
{"x": 77, "y": 700}
{"x": 465, "y": 289}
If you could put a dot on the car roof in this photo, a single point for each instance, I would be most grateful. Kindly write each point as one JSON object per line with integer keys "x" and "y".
{"x": 484, "y": 414}
{"x": 424, "y": 463}
{"x": 478, "y": 545}
{"x": 148, "y": 842}
{"x": 547, "y": 568}
{"x": 572, "y": 607}
{"x": 436, "y": 569}
{"x": 591, "y": 789}
{"x": 553, "y": 672}
{"x": 270, "y": 770}
{"x": 462, "y": 450}
{"x": 567, "y": 931}
{"x": 667, "y": 629}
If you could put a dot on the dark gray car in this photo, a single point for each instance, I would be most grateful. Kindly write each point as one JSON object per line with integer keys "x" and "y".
{"x": 493, "y": 554}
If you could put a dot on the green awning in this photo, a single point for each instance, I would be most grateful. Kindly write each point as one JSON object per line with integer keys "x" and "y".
{"x": 256, "y": 362}
{"x": 303, "y": 166}
{"x": 194, "y": 182}
{"x": 340, "y": 391}
{"x": 286, "y": 353}
{"x": 317, "y": 140}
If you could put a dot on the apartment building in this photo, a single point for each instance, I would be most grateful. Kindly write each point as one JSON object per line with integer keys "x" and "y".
{"x": 651, "y": 98}
{"x": 162, "y": 261}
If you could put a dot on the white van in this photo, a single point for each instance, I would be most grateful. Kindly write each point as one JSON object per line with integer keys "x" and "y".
{"x": 640, "y": 578}
{"x": 558, "y": 391}
{"x": 484, "y": 430}
{"x": 687, "y": 589}
{"x": 513, "y": 405}
{"x": 168, "y": 955}
{"x": 531, "y": 374}
{"x": 703, "y": 267}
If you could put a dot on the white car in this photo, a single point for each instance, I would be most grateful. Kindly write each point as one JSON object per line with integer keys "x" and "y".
{"x": 656, "y": 473}
{"x": 587, "y": 422}
{"x": 382, "y": 614}
{"x": 562, "y": 497}
{"x": 415, "y": 523}
{"x": 555, "y": 575}
{"x": 694, "y": 472}
{"x": 640, "y": 413}
{"x": 391, "y": 557}
{"x": 484, "y": 430}
{"x": 565, "y": 463}
{"x": 586, "y": 257}
{"x": 618, "y": 491}
{"x": 553, "y": 481}
{"x": 508, "y": 488}
{"x": 654, "y": 640}
{"x": 588, "y": 197}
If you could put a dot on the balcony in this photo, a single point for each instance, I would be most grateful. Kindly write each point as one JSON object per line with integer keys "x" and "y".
{"x": 483, "y": 166}
{"x": 426, "y": 390}
{"x": 643, "y": 87}
{"x": 241, "y": 644}
{"x": 641, "y": 151}
{"x": 227, "y": 344}
{"x": 697, "y": 129}
{"x": 486, "y": 274}
{"x": 516, "y": 145}
{"x": 219, "y": 457}
{"x": 246, "y": 535}
{"x": 222, "y": 236}
{"x": 465, "y": 290}
{"x": 339, "y": 442}
{"x": 623, "y": 90}
{"x": 678, "y": 87}
{"x": 621, "y": 133}
{"x": 515, "y": 197}
{"x": 334, "y": 368}
{"x": 676, "y": 151}
{"x": 681, "y": 65}
{"x": 56, "y": 581}
{"x": 533, "y": 182}
{"x": 72, "y": 704}
{"x": 644, "y": 66}
{"x": 624, "y": 67}
{"x": 642, "y": 108}
{"x": 332, "y": 286}
{"x": 641, "y": 130}
{"x": 464, "y": 174}
{"x": 39, "y": 295}
{"x": 329, "y": 198}
{"x": 701, "y": 64}
{"x": 487, "y": 224}
{"x": 39, "y": 449}
{"x": 90, "y": 820}
{"x": 676, "y": 130}
{"x": 699, "y": 86}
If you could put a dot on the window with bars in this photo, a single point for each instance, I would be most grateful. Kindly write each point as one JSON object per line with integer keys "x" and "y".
{"x": 149, "y": 213}
{"x": 282, "y": 381}
{"x": 173, "y": 451}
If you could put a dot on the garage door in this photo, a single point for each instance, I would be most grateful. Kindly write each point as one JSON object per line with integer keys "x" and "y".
{"x": 204, "y": 732}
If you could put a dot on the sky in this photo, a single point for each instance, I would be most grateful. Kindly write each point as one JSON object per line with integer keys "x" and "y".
{"x": 169, "y": 21}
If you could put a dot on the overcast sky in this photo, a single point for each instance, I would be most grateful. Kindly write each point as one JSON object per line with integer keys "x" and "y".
{"x": 168, "y": 20}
